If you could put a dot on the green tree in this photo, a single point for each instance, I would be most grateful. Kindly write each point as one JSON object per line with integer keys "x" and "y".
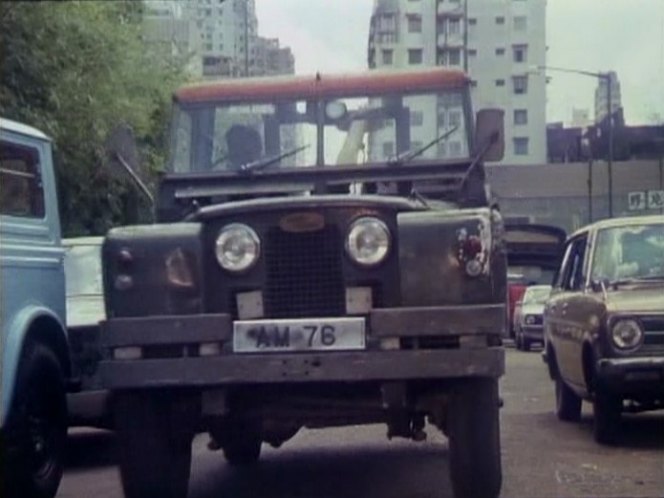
{"x": 76, "y": 70}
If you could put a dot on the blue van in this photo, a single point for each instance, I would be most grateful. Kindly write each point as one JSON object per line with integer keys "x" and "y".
{"x": 33, "y": 345}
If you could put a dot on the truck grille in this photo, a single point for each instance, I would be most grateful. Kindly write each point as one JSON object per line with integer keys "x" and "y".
{"x": 653, "y": 328}
{"x": 304, "y": 274}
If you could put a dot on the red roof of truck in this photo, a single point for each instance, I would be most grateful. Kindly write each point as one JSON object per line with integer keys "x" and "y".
{"x": 366, "y": 83}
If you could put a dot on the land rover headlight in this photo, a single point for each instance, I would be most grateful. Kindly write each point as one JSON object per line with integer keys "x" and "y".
{"x": 626, "y": 334}
{"x": 237, "y": 247}
{"x": 368, "y": 241}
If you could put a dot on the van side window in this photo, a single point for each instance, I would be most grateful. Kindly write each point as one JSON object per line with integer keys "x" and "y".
{"x": 21, "y": 192}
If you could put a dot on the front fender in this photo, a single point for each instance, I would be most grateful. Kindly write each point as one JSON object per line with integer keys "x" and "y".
{"x": 18, "y": 331}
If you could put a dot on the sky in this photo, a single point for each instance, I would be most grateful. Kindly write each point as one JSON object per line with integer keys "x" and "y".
{"x": 626, "y": 36}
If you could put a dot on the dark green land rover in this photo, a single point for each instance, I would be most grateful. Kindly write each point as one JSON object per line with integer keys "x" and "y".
{"x": 326, "y": 254}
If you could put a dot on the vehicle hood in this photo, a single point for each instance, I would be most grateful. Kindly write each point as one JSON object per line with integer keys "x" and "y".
{"x": 270, "y": 204}
{"x": 532, "y": 309}
{"x": 85, "y": 311}
{"x": 636, "y": 298}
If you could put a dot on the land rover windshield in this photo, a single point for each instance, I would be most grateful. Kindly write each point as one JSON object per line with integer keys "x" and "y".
{"x": 319, "y": 121}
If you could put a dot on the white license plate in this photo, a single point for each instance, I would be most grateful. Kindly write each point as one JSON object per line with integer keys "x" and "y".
{"x": 320, "y": 334}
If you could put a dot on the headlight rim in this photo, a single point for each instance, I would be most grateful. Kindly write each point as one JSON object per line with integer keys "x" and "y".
{"x": 615, "y": 321}
{"x": 347, "y": 245}
{"x": 253, "y": 235}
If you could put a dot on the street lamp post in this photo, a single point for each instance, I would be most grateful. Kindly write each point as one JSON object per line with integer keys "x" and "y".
{"x": 609, "y": 83}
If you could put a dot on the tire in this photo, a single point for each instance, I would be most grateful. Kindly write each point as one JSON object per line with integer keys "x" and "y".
{"x": 33, "y": 446}
{"x": 607, "y": 410}
{"x": 155, "y": 455}
{"x": 474, "y": 439}
{"x": 526, "y": 344}
{"x": 242, "y": 444}
{"x": 568, "y": 404}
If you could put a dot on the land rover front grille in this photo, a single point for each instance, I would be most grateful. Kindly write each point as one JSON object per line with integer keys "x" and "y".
{"x": 304, "y": 274}
{"x": 653, "y": 339}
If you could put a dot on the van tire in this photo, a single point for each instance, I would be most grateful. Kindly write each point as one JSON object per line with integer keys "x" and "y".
{"x": 33, "y": 446}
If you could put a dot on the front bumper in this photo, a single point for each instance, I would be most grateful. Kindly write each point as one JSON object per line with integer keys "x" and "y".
{"x": 632, "y": 376}
{"x": 533, "y": 332}
{"x": 473, "y": 358}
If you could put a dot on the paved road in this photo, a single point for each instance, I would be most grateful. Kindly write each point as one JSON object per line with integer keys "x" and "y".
{"x": 542, "y": 457}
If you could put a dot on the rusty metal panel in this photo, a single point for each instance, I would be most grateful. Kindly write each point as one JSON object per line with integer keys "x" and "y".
{"x": 161, "y": 330}
{"x": 304, "y": 368}
{"x": 433, "y": 258}
{"x": 438, "y": 320}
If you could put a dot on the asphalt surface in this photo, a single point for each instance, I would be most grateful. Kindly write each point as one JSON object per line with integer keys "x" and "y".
{"x": 542, "y": 457}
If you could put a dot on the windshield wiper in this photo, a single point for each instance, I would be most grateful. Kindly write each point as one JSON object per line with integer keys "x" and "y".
{"x": 269, "y": 161}
{"x": 409, "y": 155}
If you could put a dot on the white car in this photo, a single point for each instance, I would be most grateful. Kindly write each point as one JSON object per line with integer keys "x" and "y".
{"x": 528, "y": 322}
{"x": 88, "y": 405}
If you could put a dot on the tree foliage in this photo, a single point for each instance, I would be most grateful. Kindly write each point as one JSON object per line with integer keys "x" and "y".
{"x": 76, "y": 70}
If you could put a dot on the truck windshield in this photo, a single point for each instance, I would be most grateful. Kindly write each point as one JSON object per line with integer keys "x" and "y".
{"x": 220, "y": 136}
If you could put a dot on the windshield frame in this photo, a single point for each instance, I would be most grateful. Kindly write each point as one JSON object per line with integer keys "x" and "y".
{"x": 194, "y": 98}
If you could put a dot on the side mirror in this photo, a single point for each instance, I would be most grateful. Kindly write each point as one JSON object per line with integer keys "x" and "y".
{"x": 490, "y": 134}
{"x": 122, "y": 153}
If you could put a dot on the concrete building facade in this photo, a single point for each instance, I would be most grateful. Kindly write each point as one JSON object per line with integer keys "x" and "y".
{"x": 496, "y": 41}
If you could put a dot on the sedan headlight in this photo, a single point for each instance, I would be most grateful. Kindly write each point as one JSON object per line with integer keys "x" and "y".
{"x": 627, "y": 334}
{"x": 237, "y": 247}
{"x": 530, "y": 320}
{"x": 368, "y": 241}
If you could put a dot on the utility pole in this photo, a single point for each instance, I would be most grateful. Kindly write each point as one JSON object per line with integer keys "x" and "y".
{"x": 610, "y": 124}
{"x": 606, "y": 77}
{"x": 246, "y": 38}
{"x": 465, "y": 36}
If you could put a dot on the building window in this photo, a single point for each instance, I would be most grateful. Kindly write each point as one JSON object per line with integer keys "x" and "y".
{"x": 414, "y": 56}
{"x": 472, "y": 21}
{"x": 520, "y": 53}
{"x": 453, "y": 26}
{"x": 520, "y": 84}
{"x": 455, "y": 149}
{"x": 388, "y": 56}
{"x": 473, "y": 83}
{"x": 455, "y": 118}
{"x": 388, "y": 149}
{"x": 414, "y": 23}
{"x": 520, "y": 146}
{"x": 500, "y": 51}
{"x": 415, "y": 145}
{"x": 454, "y": 57}
{"x": 472, "y": 52}
{"x": 500, "y": 20}
{"x": 416, "y": 118}
{"x": 208, "y": 47}
{"x": 520, "y": 116}
{"x": 520, "y": 23}
{"x": 500, "y": 82}
{"x": 442, "y": 149}
{"x": 441, "y": 118}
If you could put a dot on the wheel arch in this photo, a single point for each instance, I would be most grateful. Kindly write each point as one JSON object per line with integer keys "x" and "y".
{"x": 33, "y": 324}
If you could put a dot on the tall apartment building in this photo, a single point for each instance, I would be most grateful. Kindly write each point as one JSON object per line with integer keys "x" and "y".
{"x": 602, "y": 97}
{"x": 166, "y": 28}
{"x": 497, "y": 42}
{"x": 219, "y": 36}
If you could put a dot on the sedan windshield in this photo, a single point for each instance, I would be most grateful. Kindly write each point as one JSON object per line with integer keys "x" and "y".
{"x": 631, "y": 252}
{"x": 536, "y": 296}
{"x": 340, "y": 131}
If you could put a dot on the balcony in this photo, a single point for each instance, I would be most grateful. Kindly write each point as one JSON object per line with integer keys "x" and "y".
{"x": 450, "y": 9}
